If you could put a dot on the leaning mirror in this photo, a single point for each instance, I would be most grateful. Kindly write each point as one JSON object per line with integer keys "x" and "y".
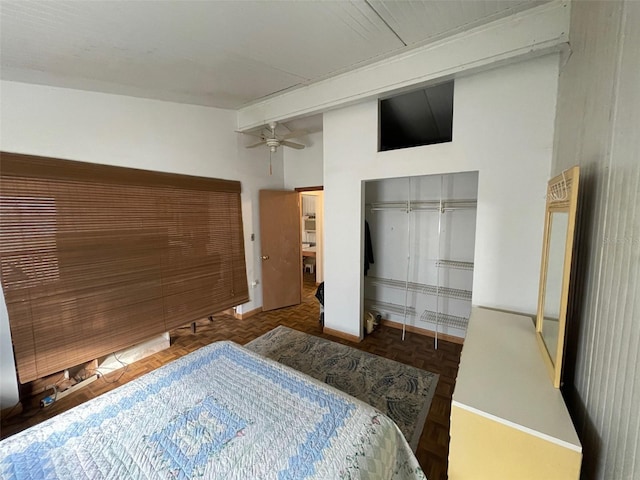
{"x": 555, "y": 271}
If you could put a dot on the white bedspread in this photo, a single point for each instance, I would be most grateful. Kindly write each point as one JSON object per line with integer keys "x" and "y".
{"x": 221, "y": 412}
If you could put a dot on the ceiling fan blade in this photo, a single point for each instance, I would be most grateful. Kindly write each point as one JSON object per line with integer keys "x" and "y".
{"x": 297, "y": 146}
{"x": 253, "y": 134}
{"x": 297, "y": 133}
{"x": 254, "y": 145}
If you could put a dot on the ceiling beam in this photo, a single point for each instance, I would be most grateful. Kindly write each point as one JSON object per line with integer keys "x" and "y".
{"x": 534, "y": 32}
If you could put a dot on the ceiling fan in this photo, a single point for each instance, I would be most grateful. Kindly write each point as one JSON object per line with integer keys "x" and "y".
{"x": 269, "y": 138}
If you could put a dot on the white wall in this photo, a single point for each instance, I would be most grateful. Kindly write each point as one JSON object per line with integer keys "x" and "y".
{"x": 140, "y": 133}
{"x": 253, "y": 171}
{"x": 303, "y": 168}
{"x": 597, "y": 128}
{"x": 8, "y": 380}
{"x": 503, "y": 127}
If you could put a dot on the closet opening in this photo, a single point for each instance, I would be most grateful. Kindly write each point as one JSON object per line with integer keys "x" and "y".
{"x": 422, "y": 234}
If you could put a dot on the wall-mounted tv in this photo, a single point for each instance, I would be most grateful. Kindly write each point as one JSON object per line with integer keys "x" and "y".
{"x": 420, "y": 117}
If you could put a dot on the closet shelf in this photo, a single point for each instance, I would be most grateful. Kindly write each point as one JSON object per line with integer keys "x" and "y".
{"x": 427, "y": 315}
{"x": 454, "y": 264}
{"x": 389, "y": 307}
{"x": 444, "y": 319}
{"x": 376, "y": 206}
{"x": 421, "y": 288}
{"x": 424, "y": 205}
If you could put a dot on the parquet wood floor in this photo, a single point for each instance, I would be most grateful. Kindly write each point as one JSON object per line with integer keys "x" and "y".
{"x": 416, "y": 350}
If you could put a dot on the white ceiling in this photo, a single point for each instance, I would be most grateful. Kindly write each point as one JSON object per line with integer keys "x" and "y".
{"x": 224, "y": 54}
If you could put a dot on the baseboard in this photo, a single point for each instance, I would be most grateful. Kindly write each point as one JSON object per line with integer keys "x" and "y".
{"x": 423, "y": 331}
{"x": 250, "y": 313}
{"x": 339, "y": 334}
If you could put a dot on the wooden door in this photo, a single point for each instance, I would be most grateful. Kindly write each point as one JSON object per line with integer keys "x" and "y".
{"x": 281, "y": 248}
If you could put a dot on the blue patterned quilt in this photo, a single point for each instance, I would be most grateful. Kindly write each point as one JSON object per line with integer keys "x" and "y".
{"x": 221, "y": 412}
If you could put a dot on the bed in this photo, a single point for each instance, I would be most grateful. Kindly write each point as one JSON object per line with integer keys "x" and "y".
{"x": 220, "y": 412}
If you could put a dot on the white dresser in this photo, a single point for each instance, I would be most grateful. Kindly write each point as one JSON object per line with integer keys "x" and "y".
{"x": 507, "y": 420}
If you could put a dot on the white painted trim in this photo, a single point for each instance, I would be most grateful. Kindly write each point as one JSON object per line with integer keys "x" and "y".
{"x": 535, "y": 433}
{"x": 526, "y": 34}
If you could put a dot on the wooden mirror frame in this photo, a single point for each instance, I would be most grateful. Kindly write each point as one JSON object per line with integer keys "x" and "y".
{"x": 562, "y": 196}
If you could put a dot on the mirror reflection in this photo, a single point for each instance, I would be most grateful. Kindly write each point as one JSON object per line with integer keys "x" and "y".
{"x": 558, "y": 225}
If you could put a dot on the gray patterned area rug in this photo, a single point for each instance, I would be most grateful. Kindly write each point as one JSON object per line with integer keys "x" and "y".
{"x": 402, "y": 392}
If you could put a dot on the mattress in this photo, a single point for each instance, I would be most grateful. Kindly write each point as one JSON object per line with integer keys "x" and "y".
{"x": 220, "y": 412}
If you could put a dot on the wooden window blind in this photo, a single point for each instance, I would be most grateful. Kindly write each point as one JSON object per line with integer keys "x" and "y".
{"x": 95, "y": 258}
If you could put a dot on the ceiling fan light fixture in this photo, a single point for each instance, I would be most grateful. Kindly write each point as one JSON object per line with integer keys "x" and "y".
{"x": 273, "y": 143}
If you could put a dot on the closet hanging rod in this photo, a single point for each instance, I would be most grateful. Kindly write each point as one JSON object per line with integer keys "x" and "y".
{"x": 462, "y": 204}
{"x": 388, "y": 206}
{"x": 423, "y": 205}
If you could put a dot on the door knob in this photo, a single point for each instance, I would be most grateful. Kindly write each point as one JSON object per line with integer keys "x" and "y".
{"x": 265, "y": 257}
